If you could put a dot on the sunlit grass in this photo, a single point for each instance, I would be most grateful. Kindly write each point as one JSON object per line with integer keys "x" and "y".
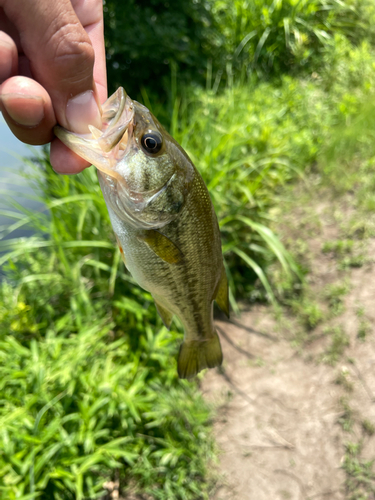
{"x": 89, "y": 388}
{"x": 273, "y": 36}
{"x": 88, "y": 383}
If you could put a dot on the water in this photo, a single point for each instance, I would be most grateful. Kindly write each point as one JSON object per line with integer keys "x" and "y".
{"x": 11, "y": 182}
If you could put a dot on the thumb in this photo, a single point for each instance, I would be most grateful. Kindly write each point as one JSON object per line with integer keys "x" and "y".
{"x": 61, "y": 58}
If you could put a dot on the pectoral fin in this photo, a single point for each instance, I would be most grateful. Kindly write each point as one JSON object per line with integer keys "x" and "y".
{"x": 221, "y": 295}
{"x": 165, "y": 315}
{"x": 162, "y": 246}
{"x": 120, "y": 248}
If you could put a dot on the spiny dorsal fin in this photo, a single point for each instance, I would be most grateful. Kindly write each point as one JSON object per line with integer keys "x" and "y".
{"x": 221, "y": 296}
{"x": 196, "y": 355}
{"x": 162, "y": 246}
{"x": 165, "y": 315}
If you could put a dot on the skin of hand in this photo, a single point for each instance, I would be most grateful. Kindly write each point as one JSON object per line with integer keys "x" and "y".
{"x": 52, "y": 70}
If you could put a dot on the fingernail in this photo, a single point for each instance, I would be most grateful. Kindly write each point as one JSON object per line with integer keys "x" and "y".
{"x": 81, "y": 111}
{"x": 27, "y": 111}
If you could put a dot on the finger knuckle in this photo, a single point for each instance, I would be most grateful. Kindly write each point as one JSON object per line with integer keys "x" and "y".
{"x": 71, "y": 52}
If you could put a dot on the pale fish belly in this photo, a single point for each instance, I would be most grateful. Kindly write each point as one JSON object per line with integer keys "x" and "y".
{"x": 185, "y": 289}
{"x": 148, "y": 270}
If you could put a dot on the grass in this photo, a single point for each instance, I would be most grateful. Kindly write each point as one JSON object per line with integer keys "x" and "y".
{"x": 334, "y": 296}
{"x": 364, "y": 328}
{"x": 342, "y": 174}
{"x": 360, "y": 482}
{"x": 344, "y": 184}
{"x": 346, "y": 419}
{"x": 277, "y": 36}
{"x": 76, "y": 409}
{"x": 349, "y": 252}
{"x": 308, "y": 311}
{"x": 89, "y": 389}
{"x": 88, "y": 384}
{"x": 339, "y": 341}
{"x": 343, "y": 379}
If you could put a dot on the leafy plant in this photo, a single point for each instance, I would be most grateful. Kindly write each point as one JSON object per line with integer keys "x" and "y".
{"x": 360, "y": 480}
{"x": 334, "y": 295}
{"x": 88, "y": 385}
{"x": 339, "y": 342}
{"x": 219, "y": 41}
{"x": 146, "y": 41}
{"x": 88, "y": 389}
{"x": 282, "y": 35}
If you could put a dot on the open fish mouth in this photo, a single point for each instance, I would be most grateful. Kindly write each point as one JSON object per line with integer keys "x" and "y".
{"x": 104, "y": 148}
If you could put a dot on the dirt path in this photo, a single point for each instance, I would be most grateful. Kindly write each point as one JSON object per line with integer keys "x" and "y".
{"x": 295, "y": 420}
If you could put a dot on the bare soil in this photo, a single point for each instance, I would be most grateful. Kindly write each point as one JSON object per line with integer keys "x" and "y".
{"x": 284, "y": 416}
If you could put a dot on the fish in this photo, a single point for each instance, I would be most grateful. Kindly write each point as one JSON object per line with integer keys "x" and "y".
{"x": 164, "y": 222}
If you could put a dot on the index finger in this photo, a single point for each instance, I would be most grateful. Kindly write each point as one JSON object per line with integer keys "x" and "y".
{"x": 90, "y": 14}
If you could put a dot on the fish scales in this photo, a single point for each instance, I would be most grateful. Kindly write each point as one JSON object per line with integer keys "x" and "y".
{"x": 185, "y": 288}
{"x": 164, "y": 222}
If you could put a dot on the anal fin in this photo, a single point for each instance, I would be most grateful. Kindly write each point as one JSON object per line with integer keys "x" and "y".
{"x": 196, "y": 355}
{"x": 165, "y": 315}
{"x": 221, "y": 293}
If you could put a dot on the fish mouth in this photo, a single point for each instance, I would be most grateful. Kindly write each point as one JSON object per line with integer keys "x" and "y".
{"x": 104, "y": 148}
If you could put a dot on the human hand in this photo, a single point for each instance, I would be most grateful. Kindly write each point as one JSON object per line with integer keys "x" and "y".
{"x": 52, "y": 70}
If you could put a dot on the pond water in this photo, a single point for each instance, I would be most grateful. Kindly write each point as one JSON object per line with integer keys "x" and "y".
{"x": 12, "y": 184}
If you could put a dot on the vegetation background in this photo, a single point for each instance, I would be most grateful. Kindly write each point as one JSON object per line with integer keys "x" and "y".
{"x": 257, "y": 92}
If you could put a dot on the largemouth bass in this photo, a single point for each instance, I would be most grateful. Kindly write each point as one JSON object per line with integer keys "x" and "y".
{"x": 163, "y": 220}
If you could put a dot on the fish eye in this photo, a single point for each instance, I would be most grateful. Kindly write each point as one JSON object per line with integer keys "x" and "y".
{"x": 152, "y": 142}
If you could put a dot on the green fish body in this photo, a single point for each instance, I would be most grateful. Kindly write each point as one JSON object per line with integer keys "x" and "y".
{"x": 164, "y": 222}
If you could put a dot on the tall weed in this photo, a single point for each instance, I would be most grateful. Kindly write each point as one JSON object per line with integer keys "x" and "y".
{"x": 275, "y": 36}
{"x": 88, "y": 389}
{"x": 247, "y": 143}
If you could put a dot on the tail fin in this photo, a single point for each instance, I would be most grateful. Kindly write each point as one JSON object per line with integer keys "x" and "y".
{"x": 196, "y": 355}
